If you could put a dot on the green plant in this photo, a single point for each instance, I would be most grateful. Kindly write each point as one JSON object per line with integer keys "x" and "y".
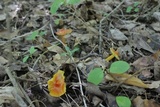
{"x": 57, "y": 3}
{"x": 119, "y": 67}
{"x": 70, "y": 52}
{"x": 134, "y": 7}
{"x": 123, "y": 101}
{"x": 31, "y": 51}
{"x": 35, "y": 34}
{"x": 95, "y": 76}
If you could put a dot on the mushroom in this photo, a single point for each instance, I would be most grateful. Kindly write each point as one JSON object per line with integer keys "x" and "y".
{"x": 114, "y": 54}
{"x": 62, "y": 32}
{"x": 57, "y": 85}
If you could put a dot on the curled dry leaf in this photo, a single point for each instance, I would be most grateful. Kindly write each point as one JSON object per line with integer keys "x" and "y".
{"x": 57, "y": 85}
{"x": 127, "y": 79}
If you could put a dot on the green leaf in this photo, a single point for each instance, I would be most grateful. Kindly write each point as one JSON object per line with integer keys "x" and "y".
{"x": 25, "y": 58}
{"x": 136, "y": 4}
{"x": 32, "y": 50}
{"x": 123, "y": 101}
{"x": 73, "y": 1}
{"x": 57, "y": 21}
{"x": 33, "y": 35}
{"x": 129, "y": 9}
{"x": 55, "y": 5}
{"x": 95, "y": 76}
{"x": 75, "y": 49}
{"x": 68, "y": 51}
{"x": 119, "y": 67}
{"x": 136, "y": 10}
{"x": 42, "y": 33}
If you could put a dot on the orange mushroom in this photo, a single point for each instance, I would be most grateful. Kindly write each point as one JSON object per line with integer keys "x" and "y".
{"x": 114, "y": 54}
{"x": 57, "y": 85}
{"x": 62, "y": 32}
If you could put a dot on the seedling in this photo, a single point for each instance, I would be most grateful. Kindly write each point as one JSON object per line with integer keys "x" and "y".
{"x": 70, "y": 52}
{"x": 35, "y": 34}
{"x": 123, "y": 101}
{"x": 119, "y": 67}
{"x": 134, "y": 7}
{"x": 32, "y": 50}
{"x": 114, "y": 54}
{"x": 95, "y": 76}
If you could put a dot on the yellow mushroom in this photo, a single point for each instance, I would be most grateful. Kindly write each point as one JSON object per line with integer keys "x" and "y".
{"x": 114, "y": 54}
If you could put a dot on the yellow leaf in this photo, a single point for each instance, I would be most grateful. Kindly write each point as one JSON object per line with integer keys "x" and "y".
{"x": 131, "y": 80}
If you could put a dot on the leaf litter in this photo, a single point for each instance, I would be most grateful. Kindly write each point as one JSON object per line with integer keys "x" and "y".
{"x": 94, "y": 26}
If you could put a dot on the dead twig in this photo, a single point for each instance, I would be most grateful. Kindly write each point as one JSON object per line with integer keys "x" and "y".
{"x": 100, "y": 26}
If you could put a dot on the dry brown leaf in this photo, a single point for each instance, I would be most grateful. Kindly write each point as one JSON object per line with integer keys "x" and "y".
{"x": 156, "y": 26}
{"x": 154, "y": 84}
{"x": 3, "y": 60}
{"x": 56, "y": 49}
{"x": 131, "y": 80}
{"x": 139, "y": 102}
{"x": 4, "y": 34}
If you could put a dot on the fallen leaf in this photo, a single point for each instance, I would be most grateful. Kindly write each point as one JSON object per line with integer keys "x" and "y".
{"x": 2, "y": 17}
{"x": 139, "y": 102}
{"x": 3, "y": 60}
{"x": 131, "y": 80}
{"x": 154, "y": 84}
{"x": 118, "y": 35}
{"x": 56, "y": 49}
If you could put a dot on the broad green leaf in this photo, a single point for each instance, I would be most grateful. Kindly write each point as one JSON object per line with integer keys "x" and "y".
{"x": 119, "y": 67}
{"x": 33, "y": 35}
{"x": 25, "y": 58}
{"x": 55, "y": 5}
{"x": 136, "y": 10}
{"x": 129, "y": 9}
{"x": 32, "y": 50}
{"x": 95, "y": 76}
{"x": 73, "y": 1}
{"x": 123, "y": 101}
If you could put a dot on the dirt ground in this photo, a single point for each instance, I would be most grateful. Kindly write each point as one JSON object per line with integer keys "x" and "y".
{"x": 33, "y": 47}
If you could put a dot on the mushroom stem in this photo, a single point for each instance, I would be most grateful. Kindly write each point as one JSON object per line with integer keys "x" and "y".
{"x": 110, "y": 57}
{"x": 114, "y": 54}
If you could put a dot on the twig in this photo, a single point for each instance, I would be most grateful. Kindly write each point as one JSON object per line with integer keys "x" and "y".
{"x": 17, "y": 89}
{"x": 100, "y": 26}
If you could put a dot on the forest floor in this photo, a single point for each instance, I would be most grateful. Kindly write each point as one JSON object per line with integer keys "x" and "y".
{"x": 77, "y": 40}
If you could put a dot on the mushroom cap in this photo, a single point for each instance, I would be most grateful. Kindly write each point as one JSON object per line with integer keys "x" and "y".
{"x": 63, "y": 32}
{"x": 115, "y": 53}
{"x": 57, "y": 85}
